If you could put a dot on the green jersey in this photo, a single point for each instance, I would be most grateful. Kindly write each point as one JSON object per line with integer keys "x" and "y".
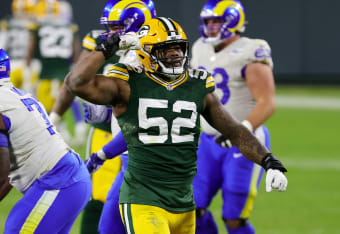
{"x": 90, "y": 41}
{"x": 161, "y": 127}
{"x": 54, "y": 48}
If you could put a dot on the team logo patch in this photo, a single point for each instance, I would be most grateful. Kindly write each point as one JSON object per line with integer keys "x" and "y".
{"x": 263, "y": 52}
{"x": 3, "y": 68}
{"x": 143, "y": 31}
{"x": 169, "y": 87}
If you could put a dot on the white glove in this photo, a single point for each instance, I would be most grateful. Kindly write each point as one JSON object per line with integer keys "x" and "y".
{"x": 276, "y": 180}
{"x": 129, "y": 41}
{"x": 96, "y": 113}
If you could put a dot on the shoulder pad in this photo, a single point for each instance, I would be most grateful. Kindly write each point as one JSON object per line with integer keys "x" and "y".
{"x": 74, "y": 28}
{"x": 3, "y": 25}
{"x": 119, "y": 70}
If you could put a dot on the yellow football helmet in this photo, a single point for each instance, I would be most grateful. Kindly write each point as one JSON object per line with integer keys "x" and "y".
{"x": 23, "y": 8}
{"x": 155, "y": 36}
{"x": 46, "y": 10}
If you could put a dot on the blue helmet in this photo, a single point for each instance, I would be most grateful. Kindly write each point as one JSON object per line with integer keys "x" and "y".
{"x": 128, "y": 15}
{"x": 231, "y": 15}
{"x": 5, "y": 67}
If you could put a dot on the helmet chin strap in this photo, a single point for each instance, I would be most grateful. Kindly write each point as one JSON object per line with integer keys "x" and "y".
{"x": 214, "y": 41}
{"x": 172, "y": 73}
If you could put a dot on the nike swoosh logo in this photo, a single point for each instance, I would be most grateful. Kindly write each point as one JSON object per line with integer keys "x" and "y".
{"x": 237, "y": 155}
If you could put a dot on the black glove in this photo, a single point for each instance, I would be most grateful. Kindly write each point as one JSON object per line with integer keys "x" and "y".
{"x": 109, "y": 46}
{"x": 223, "y": 141}
{"x": 270, "y": 161}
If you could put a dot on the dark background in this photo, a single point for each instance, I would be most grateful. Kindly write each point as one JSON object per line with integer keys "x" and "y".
{"x": 304, "y": 34}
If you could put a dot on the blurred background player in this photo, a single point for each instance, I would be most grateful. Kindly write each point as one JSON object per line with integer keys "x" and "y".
{"x": 122, "y": 17}
{"x": 36, "y": 160}
{"x": 242, "y": 69}
{"x": 15, "y": 36}
{"x": 54, "y": 41}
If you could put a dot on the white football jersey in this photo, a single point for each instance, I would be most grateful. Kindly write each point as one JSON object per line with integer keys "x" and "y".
{"x": 36, "y": 146}
{"x": 227, "y": 67}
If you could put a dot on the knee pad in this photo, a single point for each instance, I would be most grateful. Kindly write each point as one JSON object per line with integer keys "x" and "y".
{"x": 205, "y": 222}
{"x": 236, "y": 223}
{"x": 200, "y": 212}
{"x": 239, "y": 226}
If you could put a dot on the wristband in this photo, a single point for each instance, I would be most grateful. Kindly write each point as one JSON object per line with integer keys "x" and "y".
{"x": 55, "y": 118}
{"x": 270, "y": 161}
{"x": 101, "y": 154}
{"x": 248, "y": 125}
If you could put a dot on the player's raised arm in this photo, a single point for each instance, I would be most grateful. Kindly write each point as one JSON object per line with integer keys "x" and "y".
{"x": 246, "y": 142}
{"x": 83, "y": 80}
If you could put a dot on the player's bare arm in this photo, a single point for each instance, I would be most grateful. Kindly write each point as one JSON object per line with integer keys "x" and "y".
{"x": 64, "y": 101}
{"x": 65, "y": 97}
{"x": 31, "y": 47}
{"x": 4, "y": 163}
{"x": 239, "y": 135}
{"x": 99, "y": 89}
{"x": 76, "y": 49}
{"x": 260, "y": 81}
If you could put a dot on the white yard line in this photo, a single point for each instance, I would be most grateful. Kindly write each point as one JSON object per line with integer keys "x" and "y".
{"x": 312, "y": 164}
{"x": 308, "y": 102}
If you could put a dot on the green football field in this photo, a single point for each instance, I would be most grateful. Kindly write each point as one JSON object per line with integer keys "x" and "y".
{"x": 304, "y": 132}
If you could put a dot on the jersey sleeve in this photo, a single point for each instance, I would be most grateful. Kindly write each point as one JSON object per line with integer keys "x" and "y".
{"x": 74, "y": 28}
{"x": 32, "y": 27}
{"x": 119, "y": 70}
{"x": 210, "y": 83}
{"x": 91, "y": 40}
{"x": 3, "y": 25}
{"x": 205, "y": 77}
{"x": 260, "y": 52}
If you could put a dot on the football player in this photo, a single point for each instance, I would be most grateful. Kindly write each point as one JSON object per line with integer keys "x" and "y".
{"x": 158, "y": 108}
{"x": 16, "y": 36}
{"x": 117, "y": 17}
{"x": 53, "y": 179}
{"x": 54, "y": 41}
{"x": 242, "y": 69}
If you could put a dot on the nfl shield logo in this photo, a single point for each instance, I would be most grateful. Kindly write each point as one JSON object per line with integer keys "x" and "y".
{"x": 169, "y": 87}
{"x": 2, "y": 68}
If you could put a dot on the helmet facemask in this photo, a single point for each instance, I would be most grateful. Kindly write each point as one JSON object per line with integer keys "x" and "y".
{"x": 172, "y": 58}
{"x": 125, "y": 16}
{"x": 231, "y": 20}
{"x": 5, "y": 67}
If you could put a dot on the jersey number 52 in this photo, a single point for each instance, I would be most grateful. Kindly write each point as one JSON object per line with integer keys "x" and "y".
{"x": 162, "y": 123}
